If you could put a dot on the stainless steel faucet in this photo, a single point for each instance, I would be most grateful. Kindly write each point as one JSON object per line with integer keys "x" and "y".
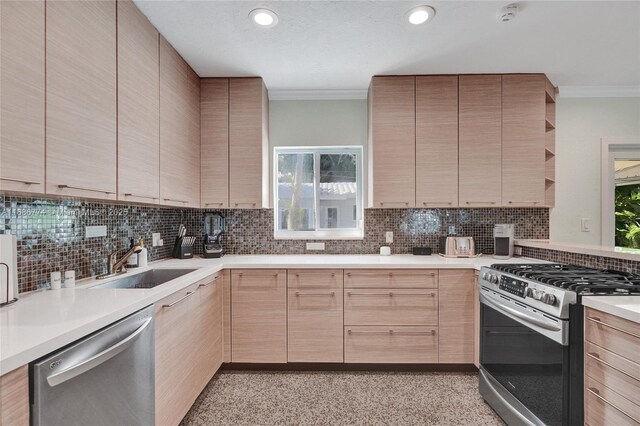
{"x": 116, "y": 267}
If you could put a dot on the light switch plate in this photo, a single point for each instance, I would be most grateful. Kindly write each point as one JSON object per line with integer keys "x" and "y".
{"x": 315, "y": 246}
{"x": 155, "y": 239}
{"x": 585, "y": 224}
{"x": 388, "y": 237}
{"x": 95, "y": 231}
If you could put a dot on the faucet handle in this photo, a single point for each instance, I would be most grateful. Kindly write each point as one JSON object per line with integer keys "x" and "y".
{"x": 112, "y": 259}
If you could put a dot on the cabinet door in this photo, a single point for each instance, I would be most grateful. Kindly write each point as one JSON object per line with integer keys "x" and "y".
{"x": 480, "y": 140}
{"x": 259, "y": 315}
{"x": 315, "y": 316}
{"x": 14, "y": 393}
{"x": 523, "y": 140}
{"x": 81, "y": 98}
{"x": 175, "y": 355}
{"x": 392, "y": 142}
{"x": 214, "y": 139}
{"x": 209, "y": 327}
{"x": 138, "y": 107}
{"x": 22, "y": 96}
{"x": 248, "y": 143}
{"x": 456, "y": 307}
{"x": 437, "y": 141}
{"x": 179, "y": 130}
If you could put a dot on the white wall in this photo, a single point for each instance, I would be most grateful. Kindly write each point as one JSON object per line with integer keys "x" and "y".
{"x": 581, "y": 123}
{"x": 317, "y": 123}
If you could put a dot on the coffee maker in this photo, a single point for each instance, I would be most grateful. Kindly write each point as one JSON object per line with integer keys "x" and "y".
{"x": 214, "y": 227}
{"x": 503, "y": 241}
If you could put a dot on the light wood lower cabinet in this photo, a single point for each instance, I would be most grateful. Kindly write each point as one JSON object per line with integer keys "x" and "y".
{"x": 14, "y": 397}
{"x": 390, "y": 344}
{"x": 226, "y": 323}
{"x": 259, "y": 315}
{"x": 611, "y": 370}
{"x": 390, "y": 278}
{"x": 476, "y": 320}
{"x": 456, "y": 316}
{"x": 188, "y": 334}
{"x": 315, "y": 316}
{"x": 390, "y": 306}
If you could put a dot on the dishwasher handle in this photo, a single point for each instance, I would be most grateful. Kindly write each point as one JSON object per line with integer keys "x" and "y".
{"x": 101, "y": 357}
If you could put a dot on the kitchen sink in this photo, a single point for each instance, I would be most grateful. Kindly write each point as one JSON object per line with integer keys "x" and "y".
{"x": 147, "y": 279}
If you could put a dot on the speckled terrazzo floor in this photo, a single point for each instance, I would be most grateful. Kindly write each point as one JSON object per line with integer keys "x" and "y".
{"x": 341, "y": 398}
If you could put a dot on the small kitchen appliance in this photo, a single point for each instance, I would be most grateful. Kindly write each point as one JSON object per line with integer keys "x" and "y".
{"x": 457, "y": 247}
{"x": 183, "y": 246}
{"x": 214, "y": 227}
{"x": 8, "y": 269}
{"x": 532, "y": 334}
{"x": 503, "y": 241}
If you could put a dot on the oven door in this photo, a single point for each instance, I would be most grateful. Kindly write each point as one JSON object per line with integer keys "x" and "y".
{"x": 525, "y": 354}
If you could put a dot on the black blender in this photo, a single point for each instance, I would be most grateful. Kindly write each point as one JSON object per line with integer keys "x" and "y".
{"x": 214, "y": 226}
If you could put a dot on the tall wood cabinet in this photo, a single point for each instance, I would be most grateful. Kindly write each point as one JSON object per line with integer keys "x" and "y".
{"x": 480, "y": 140}
{"x": 436, "y": 141}
{"x": 456, "y": 316}
{"x": 81, "y": 98}
{"x": 138, "y": 106}
{"x": 248, "y": 143}
{"x": 214, "y": 140}
{"x": 22, "y": 93}
{"x": 179, "y": 130}
{"x": 392, "y": 142}
{"x": 523, "y": 140}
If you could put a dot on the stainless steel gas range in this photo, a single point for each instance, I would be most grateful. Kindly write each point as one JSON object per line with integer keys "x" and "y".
{"x": 531, "y": 338}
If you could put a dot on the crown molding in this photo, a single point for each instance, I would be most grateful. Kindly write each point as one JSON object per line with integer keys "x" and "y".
{"x": 317, "y": 95}
{"x": 599, "y": 91}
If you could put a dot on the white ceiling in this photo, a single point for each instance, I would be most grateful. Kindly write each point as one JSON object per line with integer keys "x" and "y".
{"x": 339, "y": 45}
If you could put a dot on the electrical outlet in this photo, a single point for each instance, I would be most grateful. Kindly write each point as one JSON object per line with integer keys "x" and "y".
{"x": 315, "y": 246}
{"x": 517, "y": 251}
{"x": 95, "y": 231}
{"x": 155, "y": 239}
{"x": 585, "y": 224}
{"x": 388, "y": 236}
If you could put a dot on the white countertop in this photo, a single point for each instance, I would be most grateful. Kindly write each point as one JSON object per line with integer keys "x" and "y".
{"x": 627, "y": 307}
{"x": 41, "y": 322}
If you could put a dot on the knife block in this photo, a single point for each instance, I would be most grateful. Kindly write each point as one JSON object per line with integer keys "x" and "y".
{"x": 181, "y": 251}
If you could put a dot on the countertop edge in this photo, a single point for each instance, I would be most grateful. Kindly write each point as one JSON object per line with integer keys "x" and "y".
{"x": 607, "y": 304}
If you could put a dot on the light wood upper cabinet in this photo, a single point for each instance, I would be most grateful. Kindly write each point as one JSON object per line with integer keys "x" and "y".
{"x": 392, "y": 142}
{"x": 523, "y": 140}
{"x": 480, "y": 140}
{"x": 436, "y": 141}
{"x": 214, "y": 139}
{"x": 179, "y": 130}
{"x": 456, "y": 316}
{"x": 259, "y": 315}
{"x": 81, "y": 98}
{"x": 138, "y": 106}
{"x": 22, "y": 96}
{"x": 248, "y": 143}
{"x": 14, "y": 394}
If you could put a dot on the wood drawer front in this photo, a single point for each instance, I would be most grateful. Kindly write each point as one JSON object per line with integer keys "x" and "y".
{"x": 616, "y": 361}
{"x": 259, "y": 315}
{"x": 314, "y": 278}
{"x": 390, "y": 344}
{"x": 315, "y": 325}
{"x": 390, "y": 278}
{"x": 391, "y": 306}
{"x": 611, "y": 377}
{"x": 14, "y": 397}
{"x": 618, "y": 335}
{"x": 603, "y": 406}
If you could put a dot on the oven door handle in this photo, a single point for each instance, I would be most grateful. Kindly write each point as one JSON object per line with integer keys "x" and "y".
{"x": 491, "y": 301}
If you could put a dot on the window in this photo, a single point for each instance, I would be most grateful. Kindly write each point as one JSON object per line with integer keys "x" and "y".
{"x": 318, "y": 192}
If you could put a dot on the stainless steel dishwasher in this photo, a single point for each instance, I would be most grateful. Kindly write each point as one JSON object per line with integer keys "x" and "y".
{"x": 107, "y": 378}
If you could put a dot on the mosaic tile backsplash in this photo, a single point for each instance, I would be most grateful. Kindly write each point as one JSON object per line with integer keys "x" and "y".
{"x": 598, "y": 262}
{"x": 50, "y": 232}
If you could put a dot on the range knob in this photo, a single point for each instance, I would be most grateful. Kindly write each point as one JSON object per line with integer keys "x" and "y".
{"x": 534, "y": 294}
{"x": 493, "y": 278}
{"x": 549, "y": 299}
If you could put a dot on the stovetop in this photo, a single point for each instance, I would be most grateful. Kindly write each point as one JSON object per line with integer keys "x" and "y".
{"x": 584, "y": 281}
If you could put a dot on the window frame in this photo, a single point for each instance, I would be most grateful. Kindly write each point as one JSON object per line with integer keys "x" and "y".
{"x": 356, "y": 233}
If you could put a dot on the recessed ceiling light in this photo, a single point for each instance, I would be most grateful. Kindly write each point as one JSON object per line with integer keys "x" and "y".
{"x": 420, "y": 14}
{"x": 264, "y": 17}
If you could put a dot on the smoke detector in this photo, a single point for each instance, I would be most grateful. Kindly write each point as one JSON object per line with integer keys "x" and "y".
{"x": 508, "y": 13}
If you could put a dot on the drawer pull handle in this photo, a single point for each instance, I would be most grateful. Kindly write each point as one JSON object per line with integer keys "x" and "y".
{"x": 597, "y": 321}
{"x": 129, "y": 194}
{"x": 175, "y": 201}
{"x": 482, "y": 202}
{"x": 330, "y": 294}
{"x": 391, "y": 331}
{"x": 524, "y": 202}
{"x": 214, "y": 204}
{"x": 258, "y": 276}
{"x": 426, "y": 203}
{"x": 390, "y": 294}
{"x": 26, "y": 182}
{"x": 382, "y": 203}
{"x": 597, "y": 358}
{"x": 210, "y": 282}
{"x": 595, "y": 392}
{"x": 84, "y": 189}
{"x": 189, "y": 293}
{"x": 245, "y": 204}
